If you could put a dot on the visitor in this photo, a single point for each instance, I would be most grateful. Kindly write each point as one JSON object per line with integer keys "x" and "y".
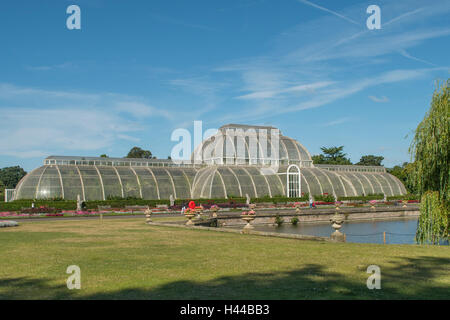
{"x": 310, "y": 203}
{"x": 183, "y": 209}
{"x": 32, "y": 205}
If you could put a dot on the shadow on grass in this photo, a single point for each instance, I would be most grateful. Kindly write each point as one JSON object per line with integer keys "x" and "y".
{"x": 411, "y": 278}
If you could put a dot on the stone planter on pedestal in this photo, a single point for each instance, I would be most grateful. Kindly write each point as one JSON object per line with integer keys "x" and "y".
{"x": 214, "y": 210}
{"x": 297, "y": 208}
{"x": 199, "y": 211}
{"x": 148, "y": 215}
{"x": 337, "y": 221}
{"x": 248, "y": 217}
{"x": 189, "y": 215}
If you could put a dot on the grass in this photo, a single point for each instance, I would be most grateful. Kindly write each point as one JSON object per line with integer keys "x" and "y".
{"x": 126, "y": 259}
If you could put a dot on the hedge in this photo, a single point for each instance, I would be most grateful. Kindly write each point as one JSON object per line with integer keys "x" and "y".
{"x": 363, "y": 198}
{"x": 280, "y": 199}
{"x": 72, "y": 205}
{"x": 122, "y": 203}
{"x": 404, "y": 197}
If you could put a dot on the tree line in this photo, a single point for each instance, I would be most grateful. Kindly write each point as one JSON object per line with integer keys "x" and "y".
{"x": 336, "y": 155}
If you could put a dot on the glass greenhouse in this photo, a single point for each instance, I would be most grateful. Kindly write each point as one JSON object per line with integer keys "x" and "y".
{"x": 238, "y": 160}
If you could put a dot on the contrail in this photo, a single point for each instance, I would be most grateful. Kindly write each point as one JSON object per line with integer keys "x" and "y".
{"x": 329, "y": 11}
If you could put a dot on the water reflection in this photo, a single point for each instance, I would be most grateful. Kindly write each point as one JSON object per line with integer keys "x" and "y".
{"x": 398, "y": 231}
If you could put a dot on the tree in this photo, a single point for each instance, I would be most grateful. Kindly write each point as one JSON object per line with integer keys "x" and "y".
{"x": 430, "y": 173}
{"x": 137, "y": 152}
{"x": 2, "y": 192}
{"x": 402, "y": 172}
{"x": 370, "y": 160}
{"x": 11, "y": 176}
{"x": 332, "y": 155}
{"x": 104, "y": 156}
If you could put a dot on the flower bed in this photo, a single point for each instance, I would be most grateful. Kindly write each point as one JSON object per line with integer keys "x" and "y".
{"x": 41, "y": 209}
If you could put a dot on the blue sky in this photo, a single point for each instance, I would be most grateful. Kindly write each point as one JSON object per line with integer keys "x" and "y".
{"x": 137, "y": 70}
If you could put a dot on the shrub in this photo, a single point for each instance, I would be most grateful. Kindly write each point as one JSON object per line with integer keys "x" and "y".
{"x": 408, "y": 196}
{"x": 363, "y": 198}
{"x": 294, "y": 221}
{"x": 324, "y": 198}
{"x": 278, "y": 220}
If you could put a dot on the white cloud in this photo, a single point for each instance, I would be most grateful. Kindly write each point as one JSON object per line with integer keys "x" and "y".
{"x": 342, "y": 56}
{"x": 293, "y": 89}
{"x": 382, "y": 99}
{"x": 35, "y": 122}
{"x": 337, "y": 122}
{"x": 330, "y": 11}
{"x": 138, "y": 109}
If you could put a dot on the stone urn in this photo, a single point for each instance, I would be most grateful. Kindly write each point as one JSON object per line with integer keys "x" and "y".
{"x": 199, "y": 211}
{"x": 214, "y": 210}
{"x": 404, "y": 203}
{"x": 337, "y": 220}
{"x": 338, "y": 204}
{"x": 297, "y": 207}
{"x": 148, "y": 215}
{"x": 248, "y": 217}
{"x": 189, "y": 215}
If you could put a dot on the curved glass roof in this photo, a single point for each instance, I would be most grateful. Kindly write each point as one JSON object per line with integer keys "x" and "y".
{"x": 225, "y": 181}
{"x": 250, "y": 145}
{"x": 101, "y": 182}
{"x": 231, "y": 164}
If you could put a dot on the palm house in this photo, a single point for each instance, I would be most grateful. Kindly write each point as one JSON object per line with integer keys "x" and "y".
{"x": 238, "y": 160}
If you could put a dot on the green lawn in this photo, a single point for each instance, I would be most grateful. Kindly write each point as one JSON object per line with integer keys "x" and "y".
{"x": 126, "y": 259}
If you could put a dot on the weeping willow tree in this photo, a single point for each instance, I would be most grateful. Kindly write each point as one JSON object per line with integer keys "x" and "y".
{"x": 430, "y": 173}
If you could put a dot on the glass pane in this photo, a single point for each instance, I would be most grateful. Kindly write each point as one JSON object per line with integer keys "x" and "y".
{"x": 312, "y": 181}
{"x": 129, "y": 182}
{"x": 91, "y": 181}
{"x": 27, "y": 188}
{"x": 50, "y": 185}
{"x": 148, "y": 184}
{"x": 245, "y": 182}
{"x": 231, "y": 184}
{"x": 181, "y": 183}
{"x": 71, "y": 182}
{"x": 164, "y": 183}
{"x": 260, "y": 182}
{"x": 111, "y": 182}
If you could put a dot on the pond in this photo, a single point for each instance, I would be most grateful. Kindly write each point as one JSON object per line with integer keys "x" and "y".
{"x": 398, "y": 231}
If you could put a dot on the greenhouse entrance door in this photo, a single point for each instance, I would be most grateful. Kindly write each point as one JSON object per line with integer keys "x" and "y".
{"x": 293, "y": 184}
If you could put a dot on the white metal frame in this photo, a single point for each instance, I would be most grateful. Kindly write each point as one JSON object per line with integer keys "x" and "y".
{"x": 10, "y": 194}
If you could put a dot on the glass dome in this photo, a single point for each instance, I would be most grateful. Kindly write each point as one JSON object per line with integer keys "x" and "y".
{"x": 235, "y": 144}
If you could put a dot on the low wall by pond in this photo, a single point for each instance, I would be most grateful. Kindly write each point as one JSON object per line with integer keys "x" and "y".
{"x": 317, "y": 215}
{"x": 268, "y": 216}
